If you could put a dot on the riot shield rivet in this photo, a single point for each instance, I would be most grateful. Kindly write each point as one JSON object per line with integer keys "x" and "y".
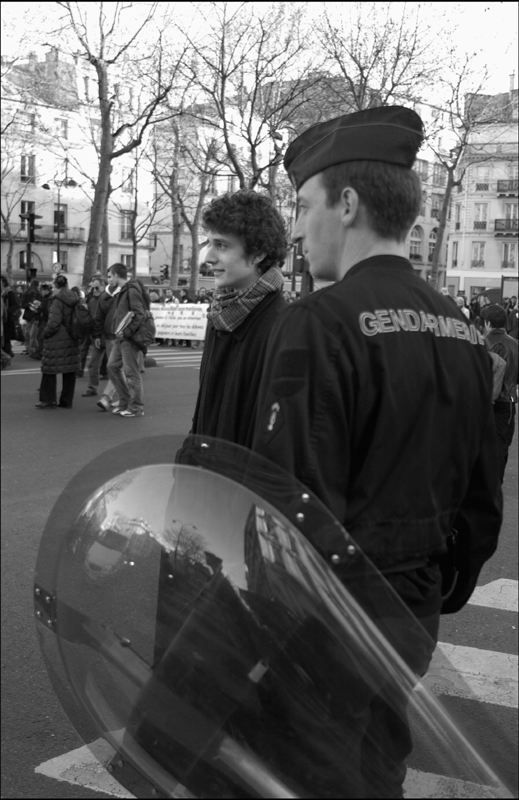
{"x": 110, "y": 768}
{"x": 170, "y": 577}
{"x": 204, "y": 444}
{"x": 38, "y": 613}
{"x": 50, "y": 623}
{"x": 335, "y": 559}
{"x": 350, "y": 549}
{"x": 300, "y": 517}
{"x": 37, "y": 592}
{"x": 305, "y": 497}
{"x": 48, "y": 599}
{"x": 131, "y": 563}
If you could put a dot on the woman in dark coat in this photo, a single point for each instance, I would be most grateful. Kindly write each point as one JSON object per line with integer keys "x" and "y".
{"x": 60, "y": 350}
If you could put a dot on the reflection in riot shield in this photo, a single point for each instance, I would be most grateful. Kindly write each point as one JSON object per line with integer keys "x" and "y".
{"x": 186, "y": 618}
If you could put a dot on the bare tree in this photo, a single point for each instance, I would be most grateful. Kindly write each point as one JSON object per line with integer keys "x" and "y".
{"x": 253, "y": 71}
{"x": 111, "y": 38}
{"x": 377, "y": 54}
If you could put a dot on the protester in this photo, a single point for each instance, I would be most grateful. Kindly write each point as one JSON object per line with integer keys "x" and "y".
{"x": 124, "y": 368}
{"x": 376, "y": 394}
{"x": 42, "y": 317}
{"x": 460, "y": 302}
{"x": 30, "y": 302}
{"x": 60, "y": 350}
{"x": 504, "y": 406}
{"x": 97, "y": 286}
{"x": 104, "y": 337}
{"x": 512, "y": 321}
{"x": 247, "y": 246}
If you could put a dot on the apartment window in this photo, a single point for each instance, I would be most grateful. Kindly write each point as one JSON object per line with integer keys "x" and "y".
{"x": 439, "y": 175}
{"x": 26, "y": 122}
{"x": 457, "y": 216}
{"x": 422, "y": 169}
{"x": 60, "y": 217}
{"x": 126, "y": 224}
{"x": 437, "y": 200}
{"x": 415, "y": 244}
{"x": 62, "y": 128}
{"x": 127, "y": 260}
{"x": 511, "y": 210}
{"x": 87, "y": 88}
{"x": 509, "y": 255}
{"x": 455, "y": 254}
{"x": 513, "y": 171}
{"x": 63, "y": 258}
{"x": 231, "y": 183}
{"x": 480, "y": 216}
{"x": 27, "y": 207}
{"x": 482, "y": 179}
{"x": 212, "y": 184}
{"x": 433, "y": 238}
{"x": 22, "y": 259}
{"x": 478, "y": 254}
{"x": 28, "y": 169}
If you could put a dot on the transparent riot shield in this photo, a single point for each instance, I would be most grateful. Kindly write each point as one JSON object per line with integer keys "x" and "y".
{"x": 186, "y": 618}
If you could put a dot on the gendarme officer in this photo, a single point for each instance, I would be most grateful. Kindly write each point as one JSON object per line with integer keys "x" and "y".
{"x": 376, "y": 392}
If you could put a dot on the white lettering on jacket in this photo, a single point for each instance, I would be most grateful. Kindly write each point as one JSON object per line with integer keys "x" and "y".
{"x": 390, "y": 320}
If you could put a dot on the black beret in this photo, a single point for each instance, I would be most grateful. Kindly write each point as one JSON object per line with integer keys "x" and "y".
{"x": 392, "y": 134}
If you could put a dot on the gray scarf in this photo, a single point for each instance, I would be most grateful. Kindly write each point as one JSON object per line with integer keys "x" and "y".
{"x": 230, "y": 307}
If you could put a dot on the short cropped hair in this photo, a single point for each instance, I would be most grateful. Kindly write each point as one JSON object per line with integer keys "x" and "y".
{"x": 60, "y": 281}
{"x": 391, "y": 195}
{"x": 494, "y": 314}
{"x": 253, "y": 218}
{"x": 119, "y": 269}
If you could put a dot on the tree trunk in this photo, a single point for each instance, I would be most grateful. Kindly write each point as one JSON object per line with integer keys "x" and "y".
{"x": 193, "y": 278}
{"x": 441, "y": 228}
{"x": 105, "y": 244}
{"x": 176, "y": 226}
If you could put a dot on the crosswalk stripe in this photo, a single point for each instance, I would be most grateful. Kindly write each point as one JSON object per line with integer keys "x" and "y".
{"x": 468, "y": 672}
{"x": 497, "y": 594}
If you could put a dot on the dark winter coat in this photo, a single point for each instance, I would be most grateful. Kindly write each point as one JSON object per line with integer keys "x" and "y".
{"x": 230, "y": 374}
{"x": 12, "y": 308}
{"x": 60, "y": 351}
{"x": 104, "y": 317}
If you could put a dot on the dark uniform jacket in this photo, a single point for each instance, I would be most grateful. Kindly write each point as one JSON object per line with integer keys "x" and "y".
{"x": 230, "y": 374}
{"x": 60, "y": 350}
{"x": 376, "y": 394}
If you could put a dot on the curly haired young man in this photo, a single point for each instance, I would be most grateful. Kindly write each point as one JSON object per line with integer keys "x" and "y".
{"x": 247, "y": 247}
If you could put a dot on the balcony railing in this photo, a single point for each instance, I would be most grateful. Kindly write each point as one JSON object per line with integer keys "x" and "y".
{"x": 480, "y": 225}
{"x": 415, "y": 257}
{"x": 506, "y": 225}
{"x": 435, "y": 213}
{"x": 482, "y": 187}
{"x": 507, "y": 187}
{"x": 477, "y": 262}
{"x": 17, "y": 231}
{"x": 508, "y": 265}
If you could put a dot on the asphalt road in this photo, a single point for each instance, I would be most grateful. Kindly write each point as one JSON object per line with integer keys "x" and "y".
{"x": 41, "y": 451}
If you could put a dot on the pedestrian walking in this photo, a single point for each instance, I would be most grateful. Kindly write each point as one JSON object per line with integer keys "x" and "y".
{"x": 505, "y": 346}
{"x": 104, "y": 337}
{"x": 376, "y": 394}
{"x": 97, "y": 286}
{"x": 124, "y": 367}
{"x": 247, "y": 247}
{"x": 30, "y": 301}
{"x": 60, "y": 349}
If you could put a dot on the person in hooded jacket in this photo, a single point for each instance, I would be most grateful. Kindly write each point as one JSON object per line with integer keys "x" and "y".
{"x": 60, "y": 350}
{"x": 104, "y": 337}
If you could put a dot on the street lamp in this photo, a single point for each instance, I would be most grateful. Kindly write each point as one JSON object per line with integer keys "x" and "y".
{"x": 59, "y": 184}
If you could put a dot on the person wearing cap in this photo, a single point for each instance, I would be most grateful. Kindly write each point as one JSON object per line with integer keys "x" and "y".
{"x": 376, "y": 394}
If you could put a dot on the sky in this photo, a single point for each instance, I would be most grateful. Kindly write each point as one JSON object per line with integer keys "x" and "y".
{"x": 489, "y": 27}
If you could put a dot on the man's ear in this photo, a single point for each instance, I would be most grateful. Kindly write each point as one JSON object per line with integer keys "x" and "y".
{"x": 349, "y": 206}
{"x": 258, "y": 258}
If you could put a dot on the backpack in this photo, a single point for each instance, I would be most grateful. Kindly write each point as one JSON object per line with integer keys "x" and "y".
{"x": 145, "y": 334}
{"x": 80, "y": 323}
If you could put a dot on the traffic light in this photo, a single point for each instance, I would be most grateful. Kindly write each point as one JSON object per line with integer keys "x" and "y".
{"x": 31, "y": 219}
{"x": 164, "y": 272}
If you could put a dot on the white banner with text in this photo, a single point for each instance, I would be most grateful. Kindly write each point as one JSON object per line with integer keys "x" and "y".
{"x": 187, "y": 321}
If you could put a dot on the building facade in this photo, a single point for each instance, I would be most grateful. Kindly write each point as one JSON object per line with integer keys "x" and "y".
{"x": 482, "y": 250}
